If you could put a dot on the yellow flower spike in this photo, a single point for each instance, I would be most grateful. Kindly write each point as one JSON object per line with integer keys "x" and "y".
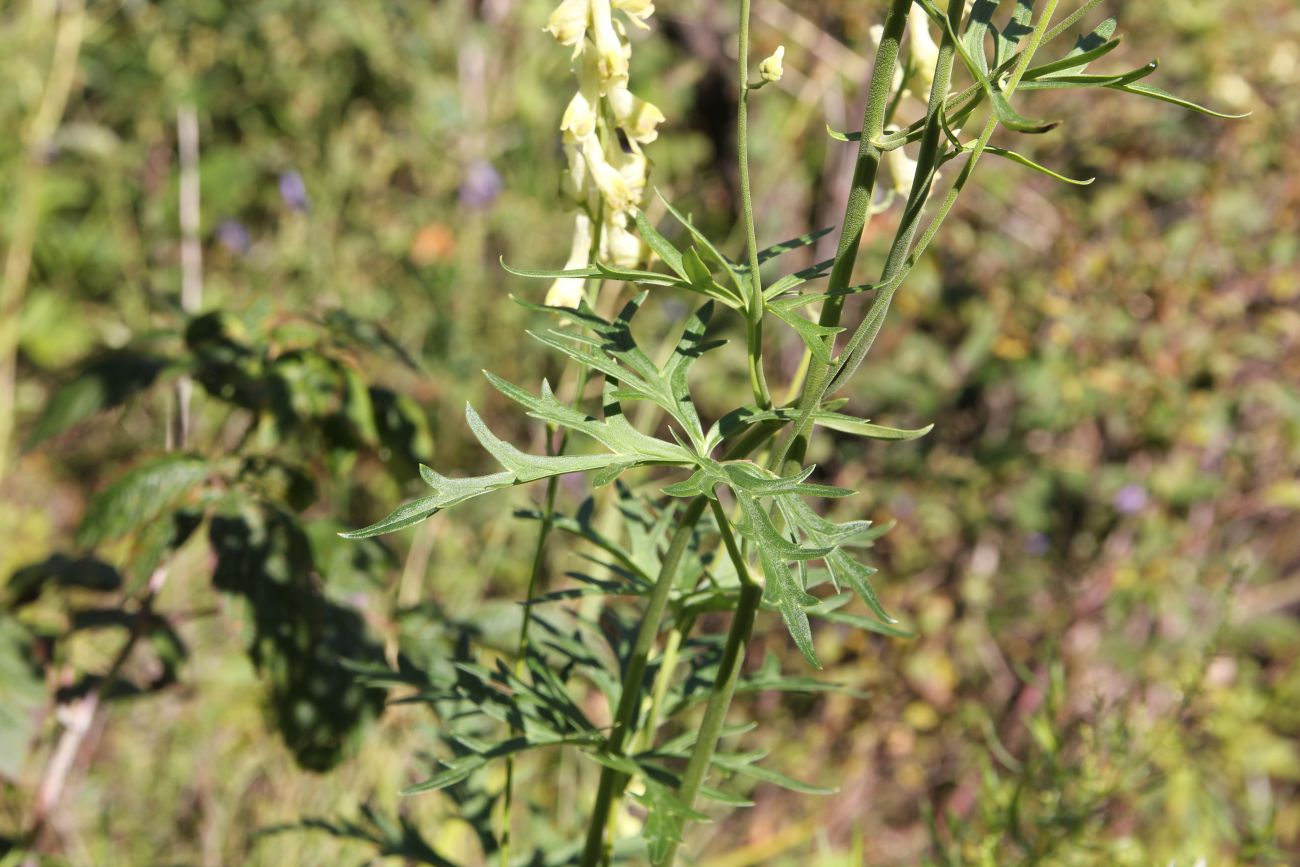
{"x": 568, "y": 291}
{"x": 610, "y": 58}
{"x": 772, "y": 69}
{"x": 568, "y": 23}
{"x": 925, "y": 53}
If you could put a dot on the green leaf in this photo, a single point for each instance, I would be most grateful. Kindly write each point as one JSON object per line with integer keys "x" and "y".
{"x": 100, "y": 383}
{"x": 798, "y": 278}
{"x": 526, "y": 467}
{"x": 790, "y": 598}
{"x": 689, "y": 348}
{"x": 806, "y": 240}
{"x": 1025, "y": 161}
{"x": 705, "y": 244}
{"x": 662, "y": 247}
{"x": 813, "y": 335}
{"x": 1152, "y": 92}
{"x": 140, "y": 496}
{"x": 449, "y": 492}
{"x": 22, "y": 696}
{"x": 744, "y": 764}
{"x": 700, "y": 279}
{"x": 1074, "y": 62}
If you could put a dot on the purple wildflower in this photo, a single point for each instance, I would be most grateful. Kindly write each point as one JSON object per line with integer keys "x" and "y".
{"x": 293, "y": 190}
{"x": 1130, "y": 499}
{"x": 480, "y": 186}
{"x": 232, "y": 235}
{"x": 1037, "y": 544}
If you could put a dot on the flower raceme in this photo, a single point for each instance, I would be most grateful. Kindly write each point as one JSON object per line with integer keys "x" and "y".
{"x": 604, "y": 127}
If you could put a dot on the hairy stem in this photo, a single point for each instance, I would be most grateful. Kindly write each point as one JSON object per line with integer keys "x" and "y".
{"x": 900, "y": 259}
{"x": 724, "y": 686}
{"x": 611, "y": 781}
{"x": 754, "y": 303}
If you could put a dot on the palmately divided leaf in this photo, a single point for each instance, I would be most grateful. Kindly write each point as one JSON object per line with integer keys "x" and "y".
{"x": 785, "y": 592}
{"x": 813, "y": 335}
{"x": 530, "y": 468}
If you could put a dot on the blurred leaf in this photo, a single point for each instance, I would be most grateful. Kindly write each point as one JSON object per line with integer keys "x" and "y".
{"x": 22, "y": 696}
{"x": 140, "y": 496}
{"x": 101, "y": 383}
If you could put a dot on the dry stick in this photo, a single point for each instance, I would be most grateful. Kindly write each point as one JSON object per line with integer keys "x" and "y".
{"x": 79, "y": 719}
{"x": 187, "y": 145}
{"x": 31, "y": 183}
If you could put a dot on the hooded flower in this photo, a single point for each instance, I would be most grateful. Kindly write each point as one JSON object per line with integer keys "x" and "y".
{"x": 925, "y": 53}
{"x": 567, "y": 291}
{"x": 636, "y": 117}
{"x": 568, "y": 23}
{"x": 637, "y": 11}
{"x": 611, "y": 59}
{"x": 902, "y": 170}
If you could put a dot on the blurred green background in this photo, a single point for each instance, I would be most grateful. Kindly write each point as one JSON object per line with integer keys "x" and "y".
{"x": 1098, "y": 545}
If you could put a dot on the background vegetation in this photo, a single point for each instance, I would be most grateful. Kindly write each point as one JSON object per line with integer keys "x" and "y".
{"x": 1097, "y": 546}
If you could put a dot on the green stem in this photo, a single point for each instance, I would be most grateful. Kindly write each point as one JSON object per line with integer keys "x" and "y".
{"x": 724, "y": 686}
{"x": 901, "y": 257}
{"x": 857, "y": 210}
{"x": 611, "y": 781}
{"x": 663, "y": 680}
{"x": 754, "y": 304}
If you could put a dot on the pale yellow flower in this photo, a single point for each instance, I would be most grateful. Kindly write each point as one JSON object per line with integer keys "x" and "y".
{"x": 568, "y": 291}
{"x": 902, "y": 170}
{"x": 608, "y": 179}
{"x": 636, "y": 117}
{"x": 619, "y": 246}
{"x": 925, "y": 53}
{"x": 637, "y": 11}
{"x": 611, "y": 59}
{"x": 568, "y": 23}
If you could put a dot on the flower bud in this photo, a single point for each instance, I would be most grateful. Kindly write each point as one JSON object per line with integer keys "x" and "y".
{"x": 771, "y": 68}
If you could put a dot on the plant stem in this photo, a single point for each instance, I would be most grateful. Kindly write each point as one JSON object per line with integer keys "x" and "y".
{"x": 857, "y": 210}
{"x": 611, "y": 781}
{"x": 724, "y": 685}
{"x": 754, "y": 304}
{"x": 900, "y": 260}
